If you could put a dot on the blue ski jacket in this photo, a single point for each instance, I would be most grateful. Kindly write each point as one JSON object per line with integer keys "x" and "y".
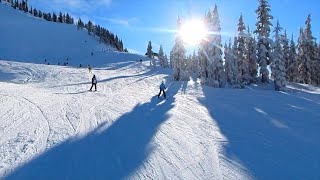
{"x": 162, "y": 87}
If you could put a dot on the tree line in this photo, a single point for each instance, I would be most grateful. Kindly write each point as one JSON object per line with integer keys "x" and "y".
{"x": 251, "y": 55}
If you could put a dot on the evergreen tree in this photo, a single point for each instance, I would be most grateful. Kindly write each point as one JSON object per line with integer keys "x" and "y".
{"x": 24, "y": 6}
{"x": 68, "y": 19}
{"x": 318, "y": 65}
{"x": 54, "y": 17}
{"x": 311, "y": 50}
{"x": 178, "y": 57}
{"x": 161, "y": 57}
{"x": 278, "y": 64}
{"x": 49, "y": 18}
{"x": 149, "y": 50}
{"x": 166, "y": 63}
{"x": 204, "y": 50}
{"x": 31, "y": 10}
{"x": 263, "y": 28}
{"x": 60, "y": 18}
{"x": 80, "y": 24}
{"x": 292, "y": 71}
{"x": 194, "y": 63}
{"x": 251, "y": 55}
{"x": 171, "y": 59}
{"x": 89, "y": 27}
{"x": 35, "y": 12}
{"x": 16, "y": 4}
{"x": 236, "y": 80}
{"x": 216, "y": 74}
{"x": 40, "y": 14}
{"x": 45, "y": 16}
{"x": 64, "y": 18}
{"x": 286, "y": 52}
{"x": 307, "y": 54}
{"x": 227, "y": 63}
{"x": 242, "y": 55}
{"x": 150, "y": 55}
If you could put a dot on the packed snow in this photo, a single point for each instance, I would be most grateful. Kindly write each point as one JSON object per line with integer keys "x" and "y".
{"x": 52, "y": 127}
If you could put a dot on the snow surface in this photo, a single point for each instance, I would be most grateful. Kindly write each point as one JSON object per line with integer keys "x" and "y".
{"x": 52, "y": 127}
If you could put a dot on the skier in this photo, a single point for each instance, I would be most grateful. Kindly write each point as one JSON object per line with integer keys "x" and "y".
{"x": 162, "y": 88}
{"x": 94, "y": 83}
{"x": 89, "y": 68}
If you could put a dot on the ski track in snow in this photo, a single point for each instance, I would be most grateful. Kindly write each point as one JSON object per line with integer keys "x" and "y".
{"x": 59, "y": 101}
{"x": 55, "y": 106}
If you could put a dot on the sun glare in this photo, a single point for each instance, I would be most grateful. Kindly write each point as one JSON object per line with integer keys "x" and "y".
{"x": 193, "y": 31}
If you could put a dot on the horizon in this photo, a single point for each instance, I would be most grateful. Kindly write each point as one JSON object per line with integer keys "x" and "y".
{"x": 136, "y": 27}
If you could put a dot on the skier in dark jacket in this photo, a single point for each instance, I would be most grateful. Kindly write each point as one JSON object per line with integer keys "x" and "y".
{"x": 162, "y": 88}
{"x": 94, "y": 83}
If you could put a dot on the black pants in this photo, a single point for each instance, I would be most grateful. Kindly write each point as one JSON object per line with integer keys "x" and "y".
{"x": 95, "y": 86}
{"x": 164, "y": 93}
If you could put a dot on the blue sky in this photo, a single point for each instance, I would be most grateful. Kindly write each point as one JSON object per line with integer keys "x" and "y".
{"x": 137, "y": 22}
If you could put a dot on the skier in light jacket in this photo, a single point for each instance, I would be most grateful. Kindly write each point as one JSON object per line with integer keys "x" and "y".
{"x": 162, "y": 88}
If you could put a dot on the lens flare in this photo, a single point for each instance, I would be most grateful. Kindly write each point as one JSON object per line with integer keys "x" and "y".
{"x": 193, "y": 31}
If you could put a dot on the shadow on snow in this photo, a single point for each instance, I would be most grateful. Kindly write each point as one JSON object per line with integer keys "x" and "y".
{"x": 273, "y": 135}
{"x": 115, "y": 152}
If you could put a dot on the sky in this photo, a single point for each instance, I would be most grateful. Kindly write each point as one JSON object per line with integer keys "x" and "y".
{"x": 137, "y": 22}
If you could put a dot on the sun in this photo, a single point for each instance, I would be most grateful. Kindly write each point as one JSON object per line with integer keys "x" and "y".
{"x": 193, "y": 31}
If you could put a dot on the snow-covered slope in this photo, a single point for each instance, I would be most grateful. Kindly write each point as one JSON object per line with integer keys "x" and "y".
{"x": 52, "y": 127}
{"x": 26, "y": 38}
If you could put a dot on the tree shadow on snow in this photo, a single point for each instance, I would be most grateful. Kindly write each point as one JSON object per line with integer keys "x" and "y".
{"x": 273, "y": 135}
{"x": 115, "y": 152}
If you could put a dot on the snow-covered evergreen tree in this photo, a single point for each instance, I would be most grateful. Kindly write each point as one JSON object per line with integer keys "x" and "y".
{"x": 227, "y": 64}
{"x": 263, "y": 28}
{"x": 150, "y": 55}
{"x": 307, "y": 55}
{"x": 166, "y": 63}
{"x": 216, "y": 74}
{"x": 161, "y": 57}
{"x": 278, "y": 64}
{"x": 251, "y": 55}
{"x": 231, "y": 64}
{"x": 236, "y": 82}
{"x": 178, "y": 57}
{"x": 203, "y": 51}
{"x": 286, "y": 51}
{"x": 171, "y": 64}
{"x": 303, "y": 60}
{"x": 318, "y": 64}
{"x": 292, "y": 70}
{"x": 242, "y": 54}
{"x": 194, "y": 64}
{"x": 311, "y": 50}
